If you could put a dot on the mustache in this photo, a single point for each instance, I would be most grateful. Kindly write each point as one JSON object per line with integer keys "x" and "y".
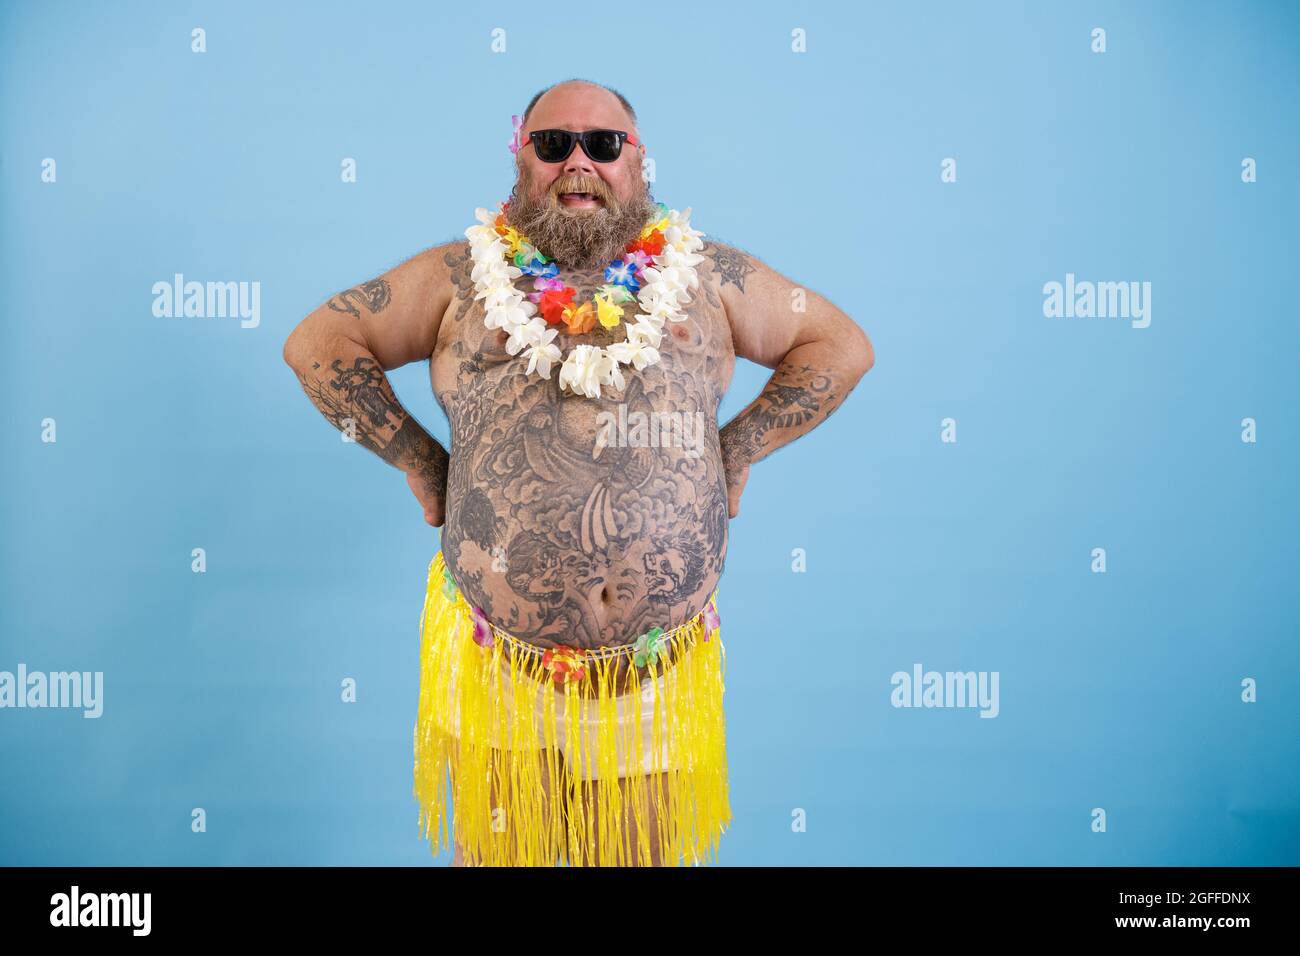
{"x": 580, "y": 184}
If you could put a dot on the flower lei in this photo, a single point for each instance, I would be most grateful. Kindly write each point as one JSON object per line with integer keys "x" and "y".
{"x": 657, "y": 270}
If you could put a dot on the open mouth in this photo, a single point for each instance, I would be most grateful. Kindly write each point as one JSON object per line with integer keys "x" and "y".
{"x": 581, "y": 200}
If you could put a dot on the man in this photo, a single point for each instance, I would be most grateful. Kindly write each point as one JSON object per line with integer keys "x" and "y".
{"x": 582, "y": 545}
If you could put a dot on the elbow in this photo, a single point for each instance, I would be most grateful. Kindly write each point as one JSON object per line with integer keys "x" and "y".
{"x": 290, "y": 351}
{"x": 296, "y": 346}
{"x": 863, "y": 353}
{"x": 851, "y": 345}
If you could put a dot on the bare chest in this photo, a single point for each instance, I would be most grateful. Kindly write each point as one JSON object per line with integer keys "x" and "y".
{"x": 583, "y": 521}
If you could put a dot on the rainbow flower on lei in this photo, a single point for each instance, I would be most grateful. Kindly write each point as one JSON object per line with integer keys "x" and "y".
{"x": 638, "y": 260}
{"x": 541, "y": 268}
{"x": 607, "y": 313}
{"x": 617, "y": 293}
{"x": 545, "y": 285}
{"x": 553, "y": 302}
{"x": 580, "y": 318}
{"x": 622, "y": 273}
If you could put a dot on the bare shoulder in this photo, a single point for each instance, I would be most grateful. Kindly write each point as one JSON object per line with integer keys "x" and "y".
{"x": 770, "y": 313}
{"x": 753, "y": 295}
{"x": 423, "y": 279}
{"x": 450, "y": 255}
{"x": 453, "y": 268}
{"x": 445, "y": 262}
{"x": 744, "y": 281}
{"x": 441, "y": 275}
{"x": 729, "y": 265}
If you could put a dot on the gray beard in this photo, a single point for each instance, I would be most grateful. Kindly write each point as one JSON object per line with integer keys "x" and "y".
{"x": 584, "y": 240}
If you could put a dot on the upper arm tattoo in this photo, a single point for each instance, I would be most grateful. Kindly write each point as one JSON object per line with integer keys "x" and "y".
{"x": 461, "y": 266}
{"x": 374, "y": 295}
{"x": 731, "y": 264}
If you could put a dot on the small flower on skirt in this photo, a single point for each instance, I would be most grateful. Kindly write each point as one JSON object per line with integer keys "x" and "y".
{"x": 483, "y": 635}
{"x": 649, "y": 646}
{"x": 711, "y": 620}
{"x": 566, "y": 665}
{"x": 448, "y": 586}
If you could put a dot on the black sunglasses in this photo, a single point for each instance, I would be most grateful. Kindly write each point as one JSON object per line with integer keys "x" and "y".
{"x": 600, "y": 145}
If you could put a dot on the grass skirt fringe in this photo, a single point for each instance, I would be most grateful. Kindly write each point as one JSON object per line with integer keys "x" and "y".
{"x": 503, "y": 694}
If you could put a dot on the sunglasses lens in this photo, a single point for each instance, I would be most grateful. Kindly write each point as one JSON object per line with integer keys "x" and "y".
{"x": 603, "y": 145}
{"x": 552, "y": 145}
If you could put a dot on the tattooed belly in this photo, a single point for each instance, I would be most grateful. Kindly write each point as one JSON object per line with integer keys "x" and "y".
{"x": 569, "y": 525}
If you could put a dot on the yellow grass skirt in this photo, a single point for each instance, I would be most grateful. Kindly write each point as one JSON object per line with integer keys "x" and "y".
{"x": 511, "y": 731}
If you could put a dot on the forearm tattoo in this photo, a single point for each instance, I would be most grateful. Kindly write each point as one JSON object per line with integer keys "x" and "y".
{"x": 796, "y": 399}
{"x": 358, "y": 400}
{"x": 374, "y": 295}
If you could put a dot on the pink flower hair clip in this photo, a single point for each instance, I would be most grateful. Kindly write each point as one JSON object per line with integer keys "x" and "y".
{"x": 516, "y": 137}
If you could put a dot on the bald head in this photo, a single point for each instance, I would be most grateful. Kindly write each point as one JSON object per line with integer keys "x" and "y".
{"x": 590, "y": 88}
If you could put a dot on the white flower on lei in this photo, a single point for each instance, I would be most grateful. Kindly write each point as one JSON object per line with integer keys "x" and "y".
{"x": 541, "y": 356}
{"x": 637, "y": 350}
{"x": 509, "y": 317}
{"x": 671, "y": 278}
{"x": 679, "y": 233}
{"x": 659, "y": 307}
{"x": 587, "y": 368}
{"x": 533, "y": 338}
{"x": 498, "y": 296}
{"x": 527, "y": 334}
{"x": 490, "y": 266}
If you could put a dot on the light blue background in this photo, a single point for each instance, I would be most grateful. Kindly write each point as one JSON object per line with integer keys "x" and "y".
{"x": 1119, "y": 691}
